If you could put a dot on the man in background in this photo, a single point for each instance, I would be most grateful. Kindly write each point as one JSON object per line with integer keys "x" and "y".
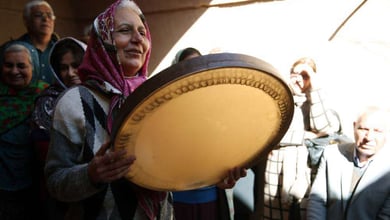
{"x": 353, "y": 179}
{"x": 39, "y": 20}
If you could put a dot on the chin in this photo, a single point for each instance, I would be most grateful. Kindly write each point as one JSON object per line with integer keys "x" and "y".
{"x": 131, "y": 68}
{"x": 367, "y": 152}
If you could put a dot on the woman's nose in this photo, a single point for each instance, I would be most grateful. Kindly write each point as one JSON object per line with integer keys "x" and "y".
{"x": 69, "y": 69}
{"x": 136, "y": 37}
{"x": 15, "y": 69}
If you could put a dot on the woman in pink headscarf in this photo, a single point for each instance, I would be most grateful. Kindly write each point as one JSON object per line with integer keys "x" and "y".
{"x": 81, "y": 169}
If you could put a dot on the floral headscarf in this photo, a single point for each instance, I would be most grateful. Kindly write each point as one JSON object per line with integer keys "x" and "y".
{"x": 101, "y": 65}
{"x": 17, "y": 104}
{"x": 101, "y": 62}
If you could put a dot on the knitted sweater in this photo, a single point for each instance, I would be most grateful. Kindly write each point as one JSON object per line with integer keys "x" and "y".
{"x": 78, "y": 131}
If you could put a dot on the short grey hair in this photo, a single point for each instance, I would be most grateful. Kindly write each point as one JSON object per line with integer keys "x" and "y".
{"x": 29, "y": 5}
{"x": 18, "y": 47}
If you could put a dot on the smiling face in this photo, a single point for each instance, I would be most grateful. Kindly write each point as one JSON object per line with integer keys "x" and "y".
{"x": 68, "y": 69}
{"x": 130, "y": 40}
{"x": 17, "y": 69}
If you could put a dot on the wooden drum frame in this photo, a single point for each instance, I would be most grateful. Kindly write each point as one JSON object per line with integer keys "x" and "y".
{"x": 192, "y": 122}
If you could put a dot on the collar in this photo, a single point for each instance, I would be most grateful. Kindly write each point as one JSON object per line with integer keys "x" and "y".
{"x": 26, "y": 38}
{"x": 358, "y": 163}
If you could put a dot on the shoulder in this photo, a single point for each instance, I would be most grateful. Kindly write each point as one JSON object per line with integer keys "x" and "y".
{"x": 42, "y": 85}
{"x": 55, "y": 37}
{"x": 52, "y": 90}
{"x": 340, "y": 151}
{"x": 69, "y": 111}
{"x": 70, "y": 92}
{"x": 69, "y": 99}
{"x": 82, "y": 96}
{"x": 25, "y": 43}
{"x": 331, "y": 150}
{"x": 382, "y": 155}
{"x": 25, "y": 37}
{"x": 24, "y": 40}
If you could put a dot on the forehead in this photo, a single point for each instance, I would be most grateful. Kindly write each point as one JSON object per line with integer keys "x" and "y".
{"x": 67, "y": 56}
{"x": 16, "y": 56}
{"x": 40, "y": 8}
{"x": 373, "y": 120}
{"x": 127, "y": 15}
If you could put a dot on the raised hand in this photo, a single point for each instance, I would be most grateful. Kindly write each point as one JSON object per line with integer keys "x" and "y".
{"x": 108, "y": 165}
{"x": 232, "y": 177}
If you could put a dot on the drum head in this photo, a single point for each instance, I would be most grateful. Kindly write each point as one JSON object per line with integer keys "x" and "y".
{"x": 192, "y": 122}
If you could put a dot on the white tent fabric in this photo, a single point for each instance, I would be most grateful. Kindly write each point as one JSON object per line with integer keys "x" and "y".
{"x": 350, "y": 40}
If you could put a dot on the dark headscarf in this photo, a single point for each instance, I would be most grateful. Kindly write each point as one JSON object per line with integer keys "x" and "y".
{"x": 42, "y": 114}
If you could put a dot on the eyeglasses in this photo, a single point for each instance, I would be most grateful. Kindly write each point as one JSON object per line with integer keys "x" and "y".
{"x": 42, "y": 15}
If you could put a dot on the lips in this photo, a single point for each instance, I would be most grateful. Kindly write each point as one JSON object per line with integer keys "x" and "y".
{"x": 17, "y": 77}
{"x": 75, "y": 80}
{"x": 46, "y": 25}
{"x": 134, "y": 51}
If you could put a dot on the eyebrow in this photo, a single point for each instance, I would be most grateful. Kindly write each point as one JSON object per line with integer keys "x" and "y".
{"x": 125, "y": 24}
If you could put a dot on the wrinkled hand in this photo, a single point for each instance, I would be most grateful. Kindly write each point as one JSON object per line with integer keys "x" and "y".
{"x": 107, "y": 165}
{"x": 233, "y": 176}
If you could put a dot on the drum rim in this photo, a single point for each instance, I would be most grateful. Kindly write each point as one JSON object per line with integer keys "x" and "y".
{"x": 186, "y": 68}
{"x": 196, "y": 65}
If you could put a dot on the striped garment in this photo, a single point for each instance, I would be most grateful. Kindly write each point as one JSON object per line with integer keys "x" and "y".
{"x": 282, "y": 182}
{"x": 78, "y": 131}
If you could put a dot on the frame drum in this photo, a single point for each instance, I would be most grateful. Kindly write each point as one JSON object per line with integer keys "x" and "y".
{"x": 192, "y": 122}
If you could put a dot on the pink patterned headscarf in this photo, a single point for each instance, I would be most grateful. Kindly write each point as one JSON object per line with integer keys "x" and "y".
{"x": 101, "y": 62}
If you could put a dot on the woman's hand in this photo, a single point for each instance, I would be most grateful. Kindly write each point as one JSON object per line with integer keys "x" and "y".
{"x": 107, "y": 165}
{"x": 315, "y": 82}
{"x": 233, "y": 176}
{"x": 304, "y": 79}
